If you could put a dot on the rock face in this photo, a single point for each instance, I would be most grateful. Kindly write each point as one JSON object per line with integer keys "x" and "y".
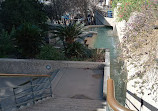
{"x": 139, "y": 41}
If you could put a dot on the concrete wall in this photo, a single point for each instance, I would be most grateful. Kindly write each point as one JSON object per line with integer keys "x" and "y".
{"x": 106, "y": 72}
{"x": 106, "y": 21}
{"x": 101, "y": 20}
{"x": 42, "y": 66}
{"x": 93, "y": 26}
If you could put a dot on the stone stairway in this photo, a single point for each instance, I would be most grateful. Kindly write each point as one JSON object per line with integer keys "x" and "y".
{"x": 67, "y": 104}
{"x": 74, "y": 90}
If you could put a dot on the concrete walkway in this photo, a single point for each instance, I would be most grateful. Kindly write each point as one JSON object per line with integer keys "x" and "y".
{"x": 79, "y": 83}
{"x": 74, "y": 90}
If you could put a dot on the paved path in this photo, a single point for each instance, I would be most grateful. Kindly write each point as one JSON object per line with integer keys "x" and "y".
{"x": 79, "y": 83}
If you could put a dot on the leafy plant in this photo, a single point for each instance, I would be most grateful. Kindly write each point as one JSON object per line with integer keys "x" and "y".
{"x": 76, "y": 50}
{"x": 29, "y": 40}
{"x": 128, "y": 6}
{"x": 7, "y": 46}
{"x": 68, "y": 33}
{"x": 48, "y": 52}
{"x": 16, "y": 12}
{"x": 98, "y": 55}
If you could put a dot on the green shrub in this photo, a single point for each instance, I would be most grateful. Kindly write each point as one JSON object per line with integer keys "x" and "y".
{"x": 77, "y": 50}
{"x": 29, "y": 40}
{"x": 68, "y": 33}
{"x": 129, "y": 6}
{"x": 48, "y": 52}
{"x": 16, "y": 12}
{"x": 7, "y": 47}
{"x": 98, "y": 55}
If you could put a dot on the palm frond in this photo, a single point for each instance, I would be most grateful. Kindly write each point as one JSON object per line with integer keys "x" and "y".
{"x": 68, "y": 32}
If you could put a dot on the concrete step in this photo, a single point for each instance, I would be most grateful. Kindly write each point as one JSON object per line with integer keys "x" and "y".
{"x": 101, "y": 109}
{"x": 63, "y": 108}
{"x": 71, "y": 102}
{"x": 67, "y": 104}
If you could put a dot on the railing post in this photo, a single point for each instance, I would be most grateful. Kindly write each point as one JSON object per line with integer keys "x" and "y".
{"x": 15, "y": 97}
{"x": 33, "y": 96}
{"x": 1, "y": 107}
{"x": 50, "y": 86}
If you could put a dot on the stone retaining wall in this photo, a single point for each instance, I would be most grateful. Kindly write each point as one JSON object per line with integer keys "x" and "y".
{"x": 42, "y": 66}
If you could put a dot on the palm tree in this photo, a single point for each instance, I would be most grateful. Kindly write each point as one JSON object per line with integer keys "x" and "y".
{"x": 68, "y": 33}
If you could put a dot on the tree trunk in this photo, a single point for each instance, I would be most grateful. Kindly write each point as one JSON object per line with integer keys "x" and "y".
{"x": 85, "y": 8}
{"x": 69, "y": 40}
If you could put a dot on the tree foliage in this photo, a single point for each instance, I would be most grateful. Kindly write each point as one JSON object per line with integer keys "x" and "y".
{"x": 77, "y": 50}
{"x": 7, "y": 46}
{"x": 48, "y": 52}
{"x": 16, "y": 12}
{"x": 29, "y": 40}
{"x": 57, "y": 8}
{"x": 68, "y": 33}
{"x": 126, "y": 7}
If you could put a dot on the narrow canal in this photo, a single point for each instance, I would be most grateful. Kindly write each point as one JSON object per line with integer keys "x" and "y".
{"x": 105, "y": 39}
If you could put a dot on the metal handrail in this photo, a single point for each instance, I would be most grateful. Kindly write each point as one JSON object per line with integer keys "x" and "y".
{"x": 26, "y": 102}
{"x": 10, "y": 87}
{"x": 34, "y": 93}
{"x": 22, "y": 92}
{"x": 37, "y": 88}
{"x": 111, "y": 97}
{"x": 24, "y": 75}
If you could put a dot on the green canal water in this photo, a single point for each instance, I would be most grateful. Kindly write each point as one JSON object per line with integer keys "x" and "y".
{"x": 105, "y": 39}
